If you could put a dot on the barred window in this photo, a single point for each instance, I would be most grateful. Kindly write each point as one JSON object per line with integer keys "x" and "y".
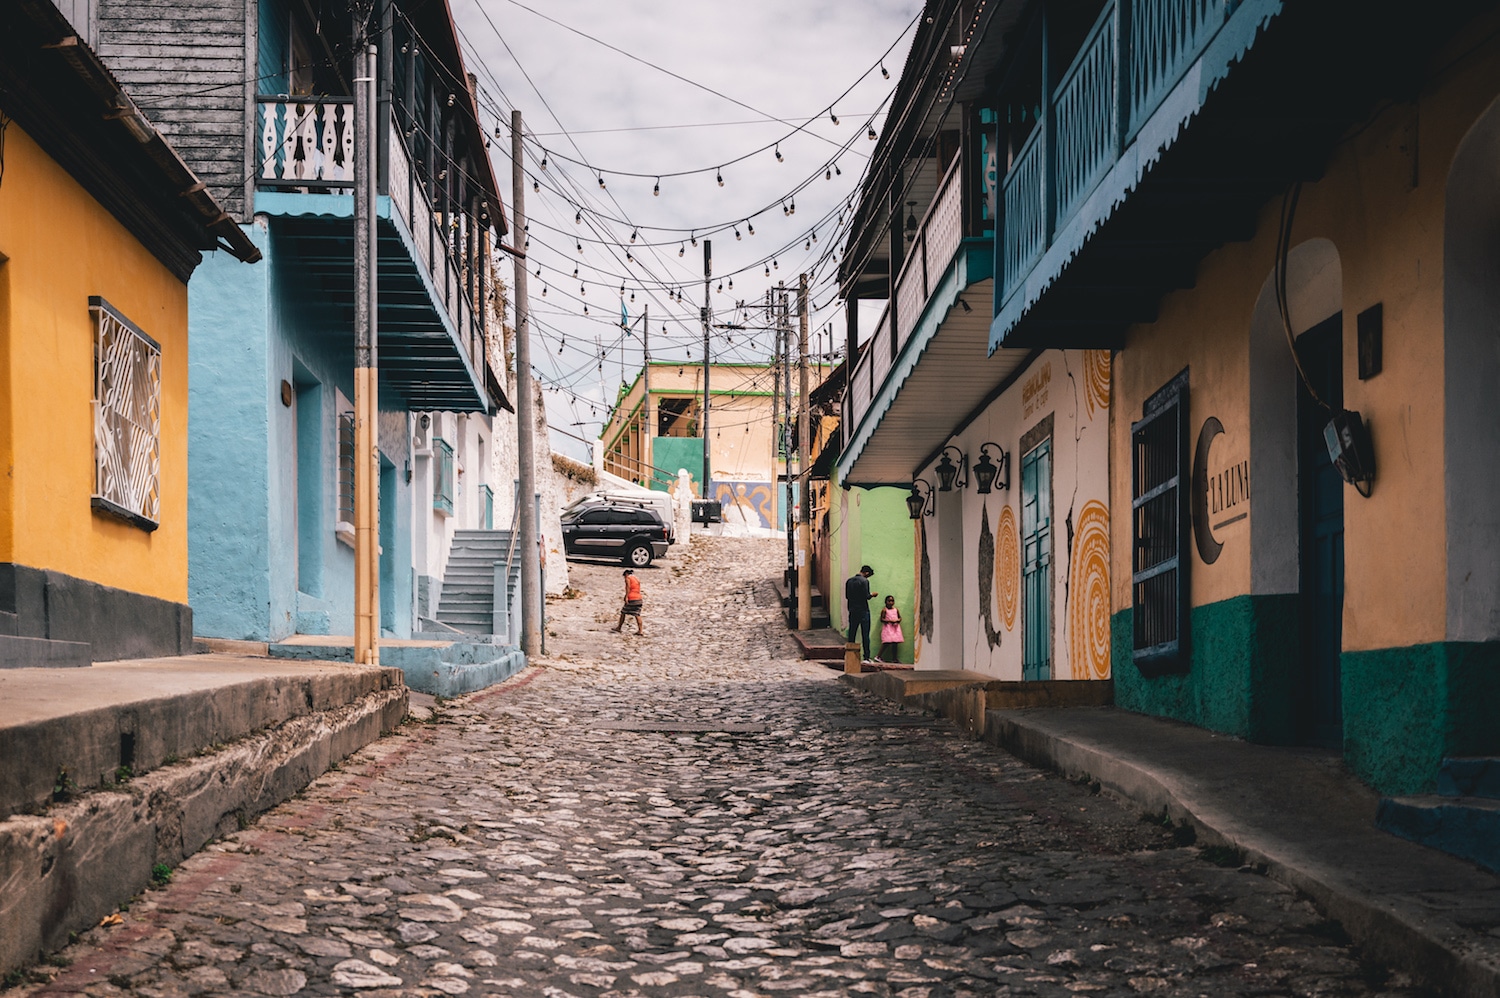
{"x": 1159, "y": 531}
{"x": 344, "y": 520}
{"x": 127, "y": 418}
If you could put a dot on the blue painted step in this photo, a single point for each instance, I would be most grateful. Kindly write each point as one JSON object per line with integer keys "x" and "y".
{"x": 1467, "y": 827}
{"x": 1478, "y": 776}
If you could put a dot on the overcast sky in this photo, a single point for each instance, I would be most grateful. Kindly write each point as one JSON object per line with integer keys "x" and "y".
{"x": 582, "y": 101}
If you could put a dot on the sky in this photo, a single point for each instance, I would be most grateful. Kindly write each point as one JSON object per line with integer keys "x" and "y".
{"x": 680, "y": 93}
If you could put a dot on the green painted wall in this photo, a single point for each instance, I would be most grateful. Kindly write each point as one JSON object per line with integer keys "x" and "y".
{"x": 880, "y": 534}
{"x": 670, "y": 453}
{"x": 1241, "y": 679}
{"x": 1405, "y": 709}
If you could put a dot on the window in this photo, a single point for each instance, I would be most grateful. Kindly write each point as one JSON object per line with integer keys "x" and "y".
{"x": 127, "y": 418}
{"x": 1036, "y": 562}
{"x": 1159, "y": 531}
{"x": 487, "y": 507}
{"x": 595, "y": 516}
{"x": 344, "y": 520}
{"x": 442, "y": 477}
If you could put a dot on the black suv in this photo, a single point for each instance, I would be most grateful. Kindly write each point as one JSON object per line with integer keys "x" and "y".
{"x": 632, "y": 533}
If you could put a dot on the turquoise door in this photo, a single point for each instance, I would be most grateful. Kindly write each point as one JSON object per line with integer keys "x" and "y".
{"x": 1036, "y": 561}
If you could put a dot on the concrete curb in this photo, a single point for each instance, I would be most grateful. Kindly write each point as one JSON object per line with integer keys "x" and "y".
{"x": 443, "y": 668}
{"x": 63, "y": 870}
{"x": 1428, "y": 947}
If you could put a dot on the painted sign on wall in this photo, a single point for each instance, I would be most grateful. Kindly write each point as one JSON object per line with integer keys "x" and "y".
{"x": 1221, "y": 489}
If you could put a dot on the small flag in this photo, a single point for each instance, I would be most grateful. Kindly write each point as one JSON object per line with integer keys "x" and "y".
{"x": 624, "y": 318}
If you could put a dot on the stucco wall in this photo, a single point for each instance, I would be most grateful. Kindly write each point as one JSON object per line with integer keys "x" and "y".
{"x": 974, "y": 545}
{"x": 871, "y": 527}
{"x": 59, "y": 246}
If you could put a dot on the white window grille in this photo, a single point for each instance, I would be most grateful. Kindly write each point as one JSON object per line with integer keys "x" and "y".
{"x": 127, "y": 418}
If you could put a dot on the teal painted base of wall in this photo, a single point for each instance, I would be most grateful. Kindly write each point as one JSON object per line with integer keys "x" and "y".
{"x": 1241, "y": 680}
{"x": 1405, "y": 709}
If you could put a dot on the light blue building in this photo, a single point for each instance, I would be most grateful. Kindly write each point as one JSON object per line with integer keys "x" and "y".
{"x": 271, "y": 452}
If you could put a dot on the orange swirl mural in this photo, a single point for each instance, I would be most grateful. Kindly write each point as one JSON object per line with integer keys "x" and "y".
{"x": 1008, "y": 567}
{"x": 1096, "y": 369}
{"x": 1088, "y": 604}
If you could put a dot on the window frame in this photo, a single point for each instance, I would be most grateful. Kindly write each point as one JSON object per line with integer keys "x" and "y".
{"x": 127, "y": 481}
{"x": 443, "y": 479}
{"x": 1170, "y": 654}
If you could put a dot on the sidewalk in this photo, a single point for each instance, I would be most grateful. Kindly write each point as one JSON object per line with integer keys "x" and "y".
{"x": 1295, "y": 813}
{"x": 120, "y": 768}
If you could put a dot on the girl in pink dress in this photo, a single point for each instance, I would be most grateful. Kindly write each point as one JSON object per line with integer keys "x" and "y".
{"x": 890, "y": 632}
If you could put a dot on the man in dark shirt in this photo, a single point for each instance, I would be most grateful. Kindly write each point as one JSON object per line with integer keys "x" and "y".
{"x": 857, "y": 594}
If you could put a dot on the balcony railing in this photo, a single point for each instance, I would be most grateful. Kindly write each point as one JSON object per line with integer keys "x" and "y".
{"x": 937, "y": 241}
{"x": 1080, "y": 137}
{"x": 308, "y": 143}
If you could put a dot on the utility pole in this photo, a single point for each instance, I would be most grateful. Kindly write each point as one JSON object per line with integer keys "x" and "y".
{"x": 776, "y": 451}
{"x": 784, "y": 327}
{"x": 366, "y": 404}
{"x": 708, "y": 273}
{"x": 527, "y": 509}
{"x": 804, "y": 445}
{"x": 649, "y": 429}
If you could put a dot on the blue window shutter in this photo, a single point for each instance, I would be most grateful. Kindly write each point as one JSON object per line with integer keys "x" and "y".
{"x": 1159, "y": 532}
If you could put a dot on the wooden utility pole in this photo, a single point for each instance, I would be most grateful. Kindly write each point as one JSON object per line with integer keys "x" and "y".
{"x": 708, "y": 273}
{"x": 526, "y": 505}
{"x": 366, "y": 402}
{"x": 804, "y": 446}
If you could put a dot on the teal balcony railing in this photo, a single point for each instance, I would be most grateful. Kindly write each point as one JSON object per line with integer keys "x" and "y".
{"x": 486, "y": 508}
{"x": 1080, "y": 137}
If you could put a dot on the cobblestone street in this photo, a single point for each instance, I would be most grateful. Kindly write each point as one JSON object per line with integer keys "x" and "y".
{"x": 695, "y": 812}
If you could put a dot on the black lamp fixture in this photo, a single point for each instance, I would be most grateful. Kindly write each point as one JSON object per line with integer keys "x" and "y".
{"x": 1350, "y": 450}
{"x": 948, "y": 473}
{"x": 919, "y": 503}
{"x": 986, "y": 472}
{"x": 911, "y": 221}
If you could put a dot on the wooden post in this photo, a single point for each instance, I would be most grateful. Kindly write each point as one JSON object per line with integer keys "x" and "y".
{"x": 851, "y": 659}
{"x": 366, "y": 405}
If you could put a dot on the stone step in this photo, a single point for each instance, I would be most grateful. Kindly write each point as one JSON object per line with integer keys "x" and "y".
{"x": 1473, "y": 776}
{"x": 1466, "y": 827}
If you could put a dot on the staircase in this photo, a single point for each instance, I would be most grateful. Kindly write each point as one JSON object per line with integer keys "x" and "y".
{"x": 468, "y": 598}
{"x": 1462, "y": 818}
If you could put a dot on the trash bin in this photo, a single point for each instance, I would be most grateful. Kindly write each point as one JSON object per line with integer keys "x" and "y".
{"x": 707, "y": 511}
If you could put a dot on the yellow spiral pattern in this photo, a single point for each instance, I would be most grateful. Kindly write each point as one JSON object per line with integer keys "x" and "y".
{"x": 1096, "y": 372}
{"x": 1088, "y": 606}
{"x": 1008, "y": 567}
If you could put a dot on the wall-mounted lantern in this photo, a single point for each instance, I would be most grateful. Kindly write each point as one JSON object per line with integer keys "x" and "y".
{"x": 1351, "y": 451}
{"x": 919, "y": 503}
{"x": 948, "y": 473}
{"x": 990, "y": 474}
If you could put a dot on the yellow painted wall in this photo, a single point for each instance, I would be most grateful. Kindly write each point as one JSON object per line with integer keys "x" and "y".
{"x": 60, "y": 246}
{"x": 1389, "y": 238}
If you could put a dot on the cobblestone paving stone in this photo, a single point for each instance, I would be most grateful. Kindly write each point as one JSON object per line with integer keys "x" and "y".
{"x": 525, "y": 841}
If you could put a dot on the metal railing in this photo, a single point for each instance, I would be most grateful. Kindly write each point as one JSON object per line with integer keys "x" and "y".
{"x": 932, "y": 251}
{"x": 1117, "y": 76}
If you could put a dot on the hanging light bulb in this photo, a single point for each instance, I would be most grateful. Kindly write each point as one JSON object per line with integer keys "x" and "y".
{"x": 779, "y": 158}
{"x": 544, "y": 290}
{"x": 575, "y": 270}
{"x": 731, "y": 284}
{"x": 694, "y": 236}
{"x": 632, "y": 296}
{"x": 883, "y": 71}
{"x": 601, "y": 181}
{"x": 836, "y": 171}
{"x": 774, "y": 264}
{"x": 681, "y": 250}
{"x": 721, "y": 287}
{"x": 828, "y": 173}
{"x": 497, "y": 132}
{"x": 719, "y": 176}
{"x": 585, "y": 310}
{"x": 783, "y": 208}
{"x": 872, "y": 133}
{"x": 736, "y": 233}
{"x": 544, "y": 161}
{"x": 656, "y": 191}
{"x": 539, "y": 270}
{"x": 580, "y": 247}
{"x": 536, "y": 188}
{"x": 578, "y": 216}
{"x": 405, "y": 49}
{"x": 792, "y": 210}
{"x": 751, "y": 227}
{"x": 768, "y": 270}
{"x": 622, "y": 289}
{"x": 832, "y": 116}
{"x": 450, "y": 100}
{"x": 814, "y": 235}
{"x": 634, "y": 234}
{"x": 582, "y": 289}
{"x": 807, "y": 245}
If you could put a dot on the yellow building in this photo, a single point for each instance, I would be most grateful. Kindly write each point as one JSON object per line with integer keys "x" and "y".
{"x": 101, "y": 226}
{"x": 744, "y": 420}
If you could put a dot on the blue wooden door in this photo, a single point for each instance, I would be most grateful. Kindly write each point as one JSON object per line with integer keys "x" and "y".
{"x": 1321, "y": 494}
{"x": 1036, "y": 561}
